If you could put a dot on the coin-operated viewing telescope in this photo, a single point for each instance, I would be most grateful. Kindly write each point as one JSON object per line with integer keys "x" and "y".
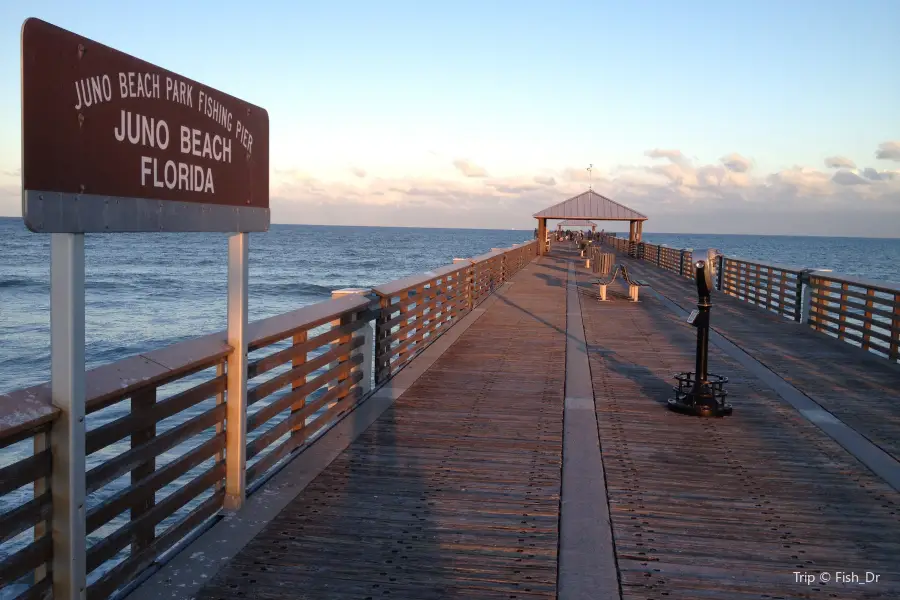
{"x": 699, "y": 392}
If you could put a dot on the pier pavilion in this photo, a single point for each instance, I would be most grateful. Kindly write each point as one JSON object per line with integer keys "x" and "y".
{"x": 589, "y": 206}
{"x": 490, "y": 429}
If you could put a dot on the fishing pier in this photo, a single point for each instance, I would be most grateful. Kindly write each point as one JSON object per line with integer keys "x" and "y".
{"x": 490, "y": 429}
{"x": 499, "y": 427}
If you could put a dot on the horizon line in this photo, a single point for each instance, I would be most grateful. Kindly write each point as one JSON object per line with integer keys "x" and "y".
{"x": 645, "y": 233}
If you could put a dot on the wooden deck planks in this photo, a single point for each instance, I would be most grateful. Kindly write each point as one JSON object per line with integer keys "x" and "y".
{"x": 727, "y": 508}
{"x": 859, "y": 388}
{"x": 453, "y": 492}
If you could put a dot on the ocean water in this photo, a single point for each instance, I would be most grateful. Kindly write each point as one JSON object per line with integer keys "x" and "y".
{"x": 146, "y": 291}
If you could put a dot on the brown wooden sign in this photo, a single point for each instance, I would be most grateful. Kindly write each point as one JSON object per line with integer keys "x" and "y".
{"x": 113, "y": 143}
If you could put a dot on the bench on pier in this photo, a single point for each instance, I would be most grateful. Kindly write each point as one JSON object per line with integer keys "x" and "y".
{"x": 605, "y": 266}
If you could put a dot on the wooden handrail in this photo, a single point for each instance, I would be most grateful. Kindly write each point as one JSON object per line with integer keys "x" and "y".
{"x": 413, "y": 281}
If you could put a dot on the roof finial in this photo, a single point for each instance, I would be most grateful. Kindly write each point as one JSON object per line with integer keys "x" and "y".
{"x": 590, "y": 176}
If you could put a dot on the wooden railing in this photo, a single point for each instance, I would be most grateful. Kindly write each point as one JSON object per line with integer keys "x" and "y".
{"x": 670, "y": 259}
{"x": 858, "y": 311}
{"x": 863, "y": 313}
{"x": 157, "y": 437}
{"x": 773, "y": 287}
{"x": 305, "y": 371}
{"x": 487, "y": 274}
{"x": 413, "y": 311}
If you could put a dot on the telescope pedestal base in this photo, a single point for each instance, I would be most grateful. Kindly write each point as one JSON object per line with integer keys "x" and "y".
{"x": 700, "y": 401}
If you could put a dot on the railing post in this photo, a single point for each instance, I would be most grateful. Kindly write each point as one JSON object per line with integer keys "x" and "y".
{"x": 42, "y": 485}
{"x": 236, "y": 393}
{"x": 720, "y": 279}
{"x": 381, "y": 333}
{"x": 681, "y": 264}
{"x": 805, "y": 284}
{"x": 141, "y": 404}
{"x": 296, "y": 362}
{"x": 894, "y": 351}
{"x": 67, "y": 435}
{"x": 501, "y": 276}
{"x": 220, "y": 426}
{"x": 470, "y": 281}
{"x": 367, "y": 350}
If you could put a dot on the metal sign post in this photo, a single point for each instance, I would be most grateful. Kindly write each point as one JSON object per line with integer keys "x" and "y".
{"x": 236, "y": 394}
{"x": 67, "y": 438}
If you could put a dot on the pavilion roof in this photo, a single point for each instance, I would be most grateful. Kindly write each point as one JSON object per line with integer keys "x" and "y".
{"x": 590, "y": 205}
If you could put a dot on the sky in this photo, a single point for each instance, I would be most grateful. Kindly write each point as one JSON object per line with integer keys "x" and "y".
{"x": 769, "y": 117}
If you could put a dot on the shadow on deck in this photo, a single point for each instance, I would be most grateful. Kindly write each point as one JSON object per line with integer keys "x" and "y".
{"x": 454, "y": 491}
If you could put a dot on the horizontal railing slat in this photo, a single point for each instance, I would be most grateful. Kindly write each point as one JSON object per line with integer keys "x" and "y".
{"x": 25, "y": 471}
{"x": 26, "y": 560}
{"x": 161, "y": 477}
{"x": 23, "y": 517}
{"x": 107, "y": 548}
{"x": 112, "y": 432}
{"x": 298, "y": 418}
{"x": 128, "y": 460}
{"x": 269, "y": 387}
{"x": 834, "y": 304}
{"x": 266, "y": 413}
{"x": 280, "y": 327}
{"x": 850, "y": 329}
{"x": 267, "y": 363}
{"x": 42, "y": 590}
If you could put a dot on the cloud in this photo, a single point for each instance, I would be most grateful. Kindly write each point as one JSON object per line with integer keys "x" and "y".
{"x": 888, "y": 151}
{"x": 545, "y": 180}
{"x": 674, "y": 155}
{"x": 513, "y": 186}
{"x": 359, "y": 172}
{"x": 469, "y": 169}
{"x": 839, "y": 162}
{"x": 736, "y": 163}
{"x": 876, "y": 175}
{"x": 13, "y": 173}
{"x": 849, "y": 178}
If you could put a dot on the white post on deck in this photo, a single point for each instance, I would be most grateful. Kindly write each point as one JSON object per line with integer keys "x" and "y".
{"x": 236, "y": 396}
{"x": 67, "y": 436}
{"x": 806, "y": 293}
{"x": 805, "y": 297}
{"x": 368, "y": 348}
